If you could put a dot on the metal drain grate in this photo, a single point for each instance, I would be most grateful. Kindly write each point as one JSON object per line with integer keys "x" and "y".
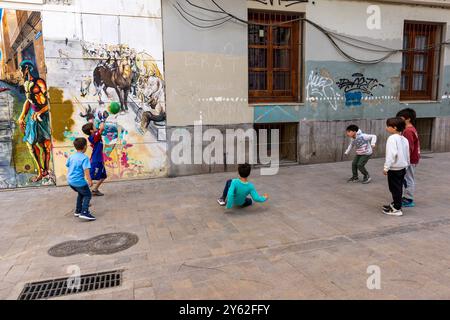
{"x": 59, "y": 287}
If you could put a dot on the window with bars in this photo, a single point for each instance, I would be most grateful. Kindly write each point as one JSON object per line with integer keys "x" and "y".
{"x": 420, "y": 64}
{"x": 273, "y": 57}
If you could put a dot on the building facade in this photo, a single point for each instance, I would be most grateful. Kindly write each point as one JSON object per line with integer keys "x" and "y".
{"x": 306, "y": 68}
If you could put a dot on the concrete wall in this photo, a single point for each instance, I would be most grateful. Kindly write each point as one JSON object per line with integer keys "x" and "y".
{"x": 206, "y": 75}
{"x": 206, "y": 69}
{"x": 208, "y": 166}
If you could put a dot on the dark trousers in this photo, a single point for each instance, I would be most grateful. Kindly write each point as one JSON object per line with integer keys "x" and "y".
{"x": 396, "y": 180}
{"x": 248, "y": 201}
{"x": 359, "y": 163}
{"x": 225, "y": 191}
{"x": 84, "y": 198}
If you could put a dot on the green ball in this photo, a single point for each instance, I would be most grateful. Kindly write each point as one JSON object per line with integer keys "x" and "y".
{"x": 114, "y": 107}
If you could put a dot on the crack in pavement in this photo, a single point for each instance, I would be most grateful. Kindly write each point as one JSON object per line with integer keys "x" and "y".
{"x": 319, "y": 244}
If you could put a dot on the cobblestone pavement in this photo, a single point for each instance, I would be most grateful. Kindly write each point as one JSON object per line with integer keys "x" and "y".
{"x": 315, "y": 239}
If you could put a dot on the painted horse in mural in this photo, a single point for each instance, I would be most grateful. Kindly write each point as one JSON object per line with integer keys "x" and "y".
{"x": 117, "y": 75}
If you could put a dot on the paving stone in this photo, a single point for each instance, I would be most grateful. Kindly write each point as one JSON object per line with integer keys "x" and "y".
{"x": 144, "y": 294}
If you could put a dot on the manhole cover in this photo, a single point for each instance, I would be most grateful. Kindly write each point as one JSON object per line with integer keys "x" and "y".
{"x": 67, "y": 286}
{"x": 100, "y": 245}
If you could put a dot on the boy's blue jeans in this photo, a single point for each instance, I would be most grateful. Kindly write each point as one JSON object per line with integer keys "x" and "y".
{"x": 84, "y": 198}
{"x": 248, "y": 201}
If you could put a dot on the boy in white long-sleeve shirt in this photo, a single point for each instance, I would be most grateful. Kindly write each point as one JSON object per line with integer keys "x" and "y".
{"x": 397, "y": 160}
{"x": 364, "y": 144}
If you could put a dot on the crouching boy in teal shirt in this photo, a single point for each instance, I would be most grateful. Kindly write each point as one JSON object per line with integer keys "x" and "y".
{"x": 237, "y": 190}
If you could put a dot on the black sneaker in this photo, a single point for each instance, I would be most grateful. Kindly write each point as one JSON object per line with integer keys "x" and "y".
{"x": 97, "y": 193}
{"x": 391, "y": 211}
{"x": 353, "y": 179}
{"x": 367, "y": 180}
{"x": 87, "y": 216}
{"x": 221, "y": 202}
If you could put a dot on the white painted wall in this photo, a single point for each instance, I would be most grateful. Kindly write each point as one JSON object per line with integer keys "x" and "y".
{"x": 350, "y": 18}
{"x": 206, "y": 69}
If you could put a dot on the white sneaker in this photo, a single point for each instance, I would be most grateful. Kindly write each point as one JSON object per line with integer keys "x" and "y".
{"x": 391, "y": 211}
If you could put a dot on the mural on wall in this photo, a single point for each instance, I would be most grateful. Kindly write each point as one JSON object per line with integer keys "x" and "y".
{"x": 25, "y": 134}
{"x": 356, "y": 88}
{"x": 127, "y": 72}
{"x": 87, "y": 75}
{"x": 125, "y": 89}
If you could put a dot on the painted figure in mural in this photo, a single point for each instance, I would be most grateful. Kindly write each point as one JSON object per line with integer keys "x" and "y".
{"x": 134, "y": 77}
{"x": 152, "y": 95}
{"x": 34, "y": 120}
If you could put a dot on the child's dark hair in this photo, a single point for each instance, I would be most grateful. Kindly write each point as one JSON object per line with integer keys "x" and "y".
{"x": 244, "y": 170}
{"x": 80, "y": 144}
{"x": 87, "y": 128}
{"x": 397, "y": 123}
{"x": 353, "y": 128}
{"x": 408, "y": 114}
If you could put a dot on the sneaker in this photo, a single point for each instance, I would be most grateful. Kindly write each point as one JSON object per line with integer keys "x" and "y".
{"x": 408, "y": 203}
{"x": 97, "y": 193}
{"x": 87, "y": 216}
{"x": 221, "y": 202}
{"x": 391, "y": 211}
{"x": 367, "y": 180}
{"x": 353, "y": 179}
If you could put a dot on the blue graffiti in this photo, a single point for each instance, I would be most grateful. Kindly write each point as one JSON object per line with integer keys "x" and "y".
{"x": 356, "y": 88}
{"x": 353, "y": 99}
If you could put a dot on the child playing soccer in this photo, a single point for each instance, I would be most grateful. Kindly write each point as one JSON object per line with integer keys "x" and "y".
{"x": 410, "y": 133}
{"x": 364, "y": 144}
{"x": 397, "y": 160}
{"x": 79, "y": 179}
{"x": 98, "y": 171}
{"x": 237, "y": 190}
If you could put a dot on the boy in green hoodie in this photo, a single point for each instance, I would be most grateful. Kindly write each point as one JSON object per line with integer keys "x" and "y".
{"x": 237, "y": 190}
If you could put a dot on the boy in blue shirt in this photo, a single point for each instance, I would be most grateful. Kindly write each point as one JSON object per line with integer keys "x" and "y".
{"x": 237, "y": 190}
{"x": 79, "y": 179}
{"x": 98, "y": 171}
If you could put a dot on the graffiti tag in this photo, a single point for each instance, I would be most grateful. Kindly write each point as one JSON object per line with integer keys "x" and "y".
{"x": 321, "y": 87}
{"x": 357, "y": 87}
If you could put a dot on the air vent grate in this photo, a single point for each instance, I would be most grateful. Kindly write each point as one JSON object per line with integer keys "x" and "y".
{"x": 60, "y": 287}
